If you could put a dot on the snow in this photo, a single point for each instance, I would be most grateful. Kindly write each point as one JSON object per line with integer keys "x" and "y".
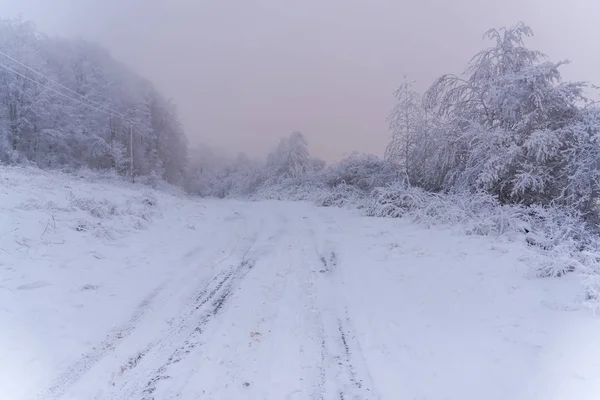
{"x": 111, "y": 290}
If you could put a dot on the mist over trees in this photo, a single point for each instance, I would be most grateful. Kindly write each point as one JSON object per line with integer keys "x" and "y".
{"x": 506, "y": 146}
{"x": 508, "y": 126}
{"x": 68, "y": 103}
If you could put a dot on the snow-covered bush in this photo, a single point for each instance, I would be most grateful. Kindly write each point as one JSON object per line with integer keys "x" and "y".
{"x": 557, "y": 231}
{"x": 476, "y": 213}
{"x": 362, "y": 171}
{"x": 290, "y": 189}
{"x": 342, "y": 195}
{"x": 98, "y": 209}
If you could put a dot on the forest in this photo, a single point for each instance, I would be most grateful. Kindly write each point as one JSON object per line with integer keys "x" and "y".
{"x": 69, "y": 104}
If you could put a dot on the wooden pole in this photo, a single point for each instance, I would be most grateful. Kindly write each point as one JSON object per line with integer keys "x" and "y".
{"x": 131, "y": 153}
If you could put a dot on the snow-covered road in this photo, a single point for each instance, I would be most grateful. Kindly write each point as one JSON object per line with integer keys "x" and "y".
{"x": 276, "y": 300}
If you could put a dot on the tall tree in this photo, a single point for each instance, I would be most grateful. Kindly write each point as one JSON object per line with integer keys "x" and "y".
{"x": 408, "y": 125}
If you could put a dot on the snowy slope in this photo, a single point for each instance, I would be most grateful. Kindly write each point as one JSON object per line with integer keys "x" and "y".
{"x": 113, "y": 291}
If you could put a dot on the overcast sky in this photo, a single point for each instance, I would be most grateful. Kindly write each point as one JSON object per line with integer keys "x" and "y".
{"x": 246, "y": 72}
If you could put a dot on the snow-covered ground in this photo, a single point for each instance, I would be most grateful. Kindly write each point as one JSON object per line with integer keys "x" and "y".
{"x": 114, "y": 291}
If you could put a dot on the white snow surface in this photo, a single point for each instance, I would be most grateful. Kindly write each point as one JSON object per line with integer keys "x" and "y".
{"x": 112, "y": 290}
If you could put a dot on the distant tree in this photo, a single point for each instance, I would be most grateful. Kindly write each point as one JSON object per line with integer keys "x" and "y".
{"x": 403, "y": 123}
{"x": 408, "y": 123}
{"x": 290, "y": 160}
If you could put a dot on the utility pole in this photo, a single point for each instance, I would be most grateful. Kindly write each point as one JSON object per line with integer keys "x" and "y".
{"x": 131, "y": 153}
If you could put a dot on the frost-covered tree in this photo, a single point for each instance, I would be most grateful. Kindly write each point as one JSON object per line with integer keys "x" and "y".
{"x": 220, "y": 175}
{"x": 290, "y": 160}
{"x": 404, "y": 124}
{"x": 410, "y": 128}
{"x": 246, "y": 175}
{"x": 68, "y": 103}
{"x": 216, "y": 174}
{"x": 510, "y": 126}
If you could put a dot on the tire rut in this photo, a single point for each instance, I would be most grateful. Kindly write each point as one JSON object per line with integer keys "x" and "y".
{"x": 76, "y": 371}
{"x": 79, "y": 368}
{"x": 217, "y": 297}
{"x": 359, "y": 382}
{"x": 342, "y": 364}
{"x": 186, "y": 329}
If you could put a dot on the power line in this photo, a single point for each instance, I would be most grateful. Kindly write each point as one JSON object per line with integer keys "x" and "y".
{"x": 60, "y": 84}
{"x": 108, "y": 112}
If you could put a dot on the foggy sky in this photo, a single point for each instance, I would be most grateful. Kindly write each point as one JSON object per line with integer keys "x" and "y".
{"x": 246, "y": 72}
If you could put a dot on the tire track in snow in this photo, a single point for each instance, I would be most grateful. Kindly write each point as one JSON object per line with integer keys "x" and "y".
{"x": 185, "y": 329}
{"x": 237, "y": 359}
{"x": 78, "y": 369}
{"x": 217, "y": 297}
{"x": 345, "y": 375}
{"x": 317, "y": 391}
{"x": 352, "y": 361}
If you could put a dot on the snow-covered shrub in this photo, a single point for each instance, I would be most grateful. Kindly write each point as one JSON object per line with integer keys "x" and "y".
{"x": 82, "y": 225}
{"x": 362, "y": 171}
{"x": 476, "y": 214}
{"x": 558, "y": 232}
{"x": 342, "y": 195}
{"x": 290, "y": 189}
{"x": 571, "y": 243}
{"x": 591, "y": 282}
{"x": 97, "y": 229}
{"x": 140, "y": 209}
{"x": 149, "y": 199}
{"x": 139, "y": 223}
{"x": 397, "y": 200}
{"x": 104, "y": 232}
{"x": 31, "y": 204}
{"x": 99, "y": 209}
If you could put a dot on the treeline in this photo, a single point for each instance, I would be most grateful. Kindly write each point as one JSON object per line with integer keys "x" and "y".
{"x": 288, "y": 172}
{"x": 68, "y": 103}
{"x": 509, "y": 126}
